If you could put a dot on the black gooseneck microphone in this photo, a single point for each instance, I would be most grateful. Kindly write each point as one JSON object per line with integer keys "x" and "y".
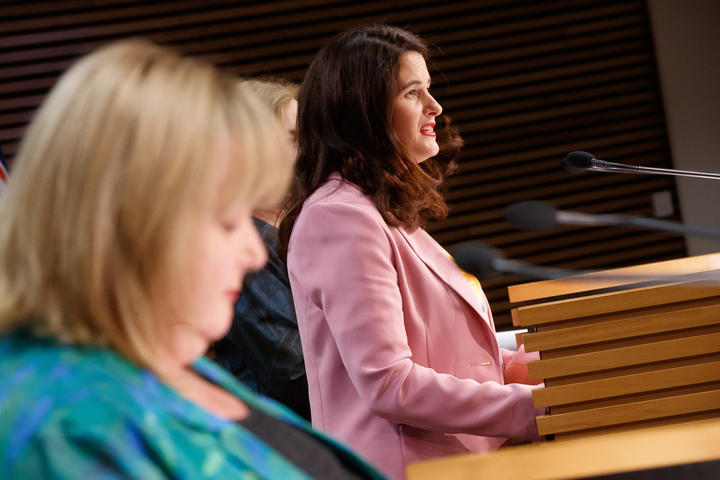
{"x": 486, "y": 262}
{"x": 579, "y": 162}
{"x": 536, "y": 215}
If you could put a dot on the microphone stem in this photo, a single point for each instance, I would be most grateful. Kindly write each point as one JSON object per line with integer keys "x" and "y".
{"x": 578, "y": 218}
{"x": 603, "y": 166}
{"x": 529, "y": 270}
{"x": 656, "y": 224}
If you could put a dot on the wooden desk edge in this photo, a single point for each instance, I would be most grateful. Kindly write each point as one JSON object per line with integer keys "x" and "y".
{"x": 645, "y": 448}
{"x": 581, "y": 283}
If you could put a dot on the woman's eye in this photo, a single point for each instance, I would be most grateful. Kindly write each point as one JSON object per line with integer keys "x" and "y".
{"x": 411, "y": 93}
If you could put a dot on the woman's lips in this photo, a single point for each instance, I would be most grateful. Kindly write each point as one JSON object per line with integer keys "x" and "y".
{"x": 428, "y": 130}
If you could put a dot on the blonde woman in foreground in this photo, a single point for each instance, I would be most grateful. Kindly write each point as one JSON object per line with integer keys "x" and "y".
{"x": 125, "y": 233}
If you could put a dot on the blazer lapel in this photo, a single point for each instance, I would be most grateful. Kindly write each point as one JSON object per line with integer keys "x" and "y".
{"x": 441, "y": 263}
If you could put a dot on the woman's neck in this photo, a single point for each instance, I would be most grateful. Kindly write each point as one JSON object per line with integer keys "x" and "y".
{"x": 177, "y": 372}
{"x": 192, "y": 386}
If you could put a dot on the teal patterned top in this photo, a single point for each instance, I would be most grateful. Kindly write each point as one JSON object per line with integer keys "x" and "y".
{"x": 71, "y": 412}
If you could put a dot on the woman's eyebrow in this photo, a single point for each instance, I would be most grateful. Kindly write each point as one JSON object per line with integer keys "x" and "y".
{"x": 413, "y": 82}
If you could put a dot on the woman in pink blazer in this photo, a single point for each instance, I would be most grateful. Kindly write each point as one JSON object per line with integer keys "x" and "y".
{"x": 400, "y": 349}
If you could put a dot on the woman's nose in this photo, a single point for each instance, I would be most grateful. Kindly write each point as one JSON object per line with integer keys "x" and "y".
{"x": 432, "y": 107}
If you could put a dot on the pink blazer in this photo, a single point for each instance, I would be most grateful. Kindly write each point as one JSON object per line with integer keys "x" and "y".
{"x": 401, "y": 356}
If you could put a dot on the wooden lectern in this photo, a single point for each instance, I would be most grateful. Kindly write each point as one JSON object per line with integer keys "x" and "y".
{"x": 615, "y": 355}
{"x": 620, "y": 355}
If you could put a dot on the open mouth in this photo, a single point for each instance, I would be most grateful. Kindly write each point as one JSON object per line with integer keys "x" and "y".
{"x": 428, "y": 130}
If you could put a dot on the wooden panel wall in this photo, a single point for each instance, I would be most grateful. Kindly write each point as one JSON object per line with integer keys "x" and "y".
{"x": 525, "y": 81}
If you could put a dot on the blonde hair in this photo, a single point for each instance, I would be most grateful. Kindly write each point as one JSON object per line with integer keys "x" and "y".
{"x": 275, "y": 93}
{"x": 108, "y": 176}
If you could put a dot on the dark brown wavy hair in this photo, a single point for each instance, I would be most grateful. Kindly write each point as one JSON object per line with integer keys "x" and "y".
{"x": 344, "y": 112}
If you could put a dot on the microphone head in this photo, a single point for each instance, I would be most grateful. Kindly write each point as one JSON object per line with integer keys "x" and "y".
{"x": 578, "y": 162}
{"x": 531, "y": 215}
{"x": 476, "y": 258}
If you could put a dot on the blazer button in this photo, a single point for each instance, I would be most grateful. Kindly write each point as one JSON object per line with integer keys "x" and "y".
{"x": 481, "y": 364}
